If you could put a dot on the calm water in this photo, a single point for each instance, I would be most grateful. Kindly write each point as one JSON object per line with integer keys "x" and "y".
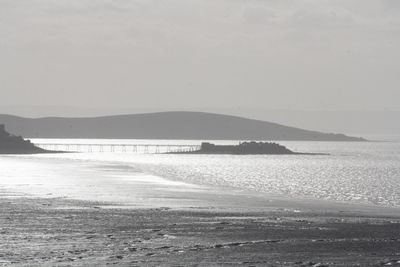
{"x": 353, "y": 172}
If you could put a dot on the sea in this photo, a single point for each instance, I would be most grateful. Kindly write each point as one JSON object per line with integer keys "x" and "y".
{"x": 351, "y": 172}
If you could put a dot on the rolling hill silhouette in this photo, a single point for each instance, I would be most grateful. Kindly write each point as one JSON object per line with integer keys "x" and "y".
{"x": 163, "y": 125}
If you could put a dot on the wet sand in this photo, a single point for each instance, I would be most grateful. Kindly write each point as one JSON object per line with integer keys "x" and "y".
{"x": 61, "y": 232}
{"x": 125, "y": 218}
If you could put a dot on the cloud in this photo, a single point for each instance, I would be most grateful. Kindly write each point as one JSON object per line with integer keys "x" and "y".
{"x": 259, "y": 15}
{"x": 392, "y": 3}
{"x": 326, "y": 18}
{"x": 211, "y": 45}
{"x": 391, "y": 7}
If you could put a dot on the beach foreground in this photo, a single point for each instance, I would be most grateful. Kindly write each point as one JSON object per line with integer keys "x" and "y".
{"x": 60, "y": 232}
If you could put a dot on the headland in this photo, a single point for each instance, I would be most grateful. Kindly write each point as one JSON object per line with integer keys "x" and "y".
{"x": 12, "y": 144}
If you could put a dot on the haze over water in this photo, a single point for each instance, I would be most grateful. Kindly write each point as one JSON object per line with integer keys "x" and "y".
{"x": 354, "y": 172}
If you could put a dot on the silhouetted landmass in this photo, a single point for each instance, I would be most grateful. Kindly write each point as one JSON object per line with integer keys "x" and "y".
{"x": 164, "y": 125}
{"x": 11, "y": 144}
{"x": 244, "y": 148}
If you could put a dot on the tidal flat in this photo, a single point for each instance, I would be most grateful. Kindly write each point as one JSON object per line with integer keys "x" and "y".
{"x": 61, "y": 232}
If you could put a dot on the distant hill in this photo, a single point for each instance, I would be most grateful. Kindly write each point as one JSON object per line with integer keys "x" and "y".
{"x": 164, "y": 125}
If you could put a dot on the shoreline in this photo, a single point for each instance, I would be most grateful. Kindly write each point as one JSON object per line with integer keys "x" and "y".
{"x": 64, "y": 232}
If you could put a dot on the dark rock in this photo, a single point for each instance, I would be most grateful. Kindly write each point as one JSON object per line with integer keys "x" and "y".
{"x": 245, "y": 148}
{"x": 11, "y": 144}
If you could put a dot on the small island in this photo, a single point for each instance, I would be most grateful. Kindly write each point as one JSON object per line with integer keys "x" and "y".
{"x": 245, "y": 148}
{"x": 11, "y": 144}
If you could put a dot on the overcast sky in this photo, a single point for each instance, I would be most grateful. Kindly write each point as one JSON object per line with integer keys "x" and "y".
{"x": 199, "y": 54}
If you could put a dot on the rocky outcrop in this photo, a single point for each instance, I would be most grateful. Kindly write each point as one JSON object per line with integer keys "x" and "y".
{"x": 11, "y": 144}
{"x": 246, "y": 148}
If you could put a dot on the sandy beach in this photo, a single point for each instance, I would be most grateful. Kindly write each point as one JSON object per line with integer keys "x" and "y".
{"x": 63, "y": 232}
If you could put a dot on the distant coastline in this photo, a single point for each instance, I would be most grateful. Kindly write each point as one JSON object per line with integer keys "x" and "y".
{"x": 167, "y": 126}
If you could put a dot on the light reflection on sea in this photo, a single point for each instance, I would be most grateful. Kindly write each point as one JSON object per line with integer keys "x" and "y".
{"x": 359, "y": 172}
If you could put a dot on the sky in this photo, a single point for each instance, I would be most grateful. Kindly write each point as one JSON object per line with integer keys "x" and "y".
{"x": 79, "y": 57}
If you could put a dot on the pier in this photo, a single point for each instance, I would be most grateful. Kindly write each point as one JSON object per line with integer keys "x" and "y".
{"x": 118, "y": 148}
